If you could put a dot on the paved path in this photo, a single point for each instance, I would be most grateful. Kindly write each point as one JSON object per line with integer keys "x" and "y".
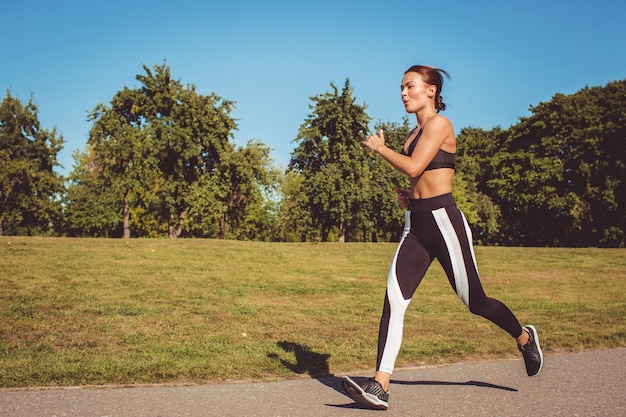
{"x": 581, "y": 384}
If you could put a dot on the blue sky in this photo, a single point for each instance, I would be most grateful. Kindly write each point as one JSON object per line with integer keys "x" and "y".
{"x": 271, "y": 56}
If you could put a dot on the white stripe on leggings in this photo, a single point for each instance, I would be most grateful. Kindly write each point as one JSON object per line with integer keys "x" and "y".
{"x": 398, "y": 306}
{"x": 455, "y": 252}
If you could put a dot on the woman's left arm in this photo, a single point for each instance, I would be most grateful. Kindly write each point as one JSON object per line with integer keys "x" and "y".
{"x": 434, "y": 134}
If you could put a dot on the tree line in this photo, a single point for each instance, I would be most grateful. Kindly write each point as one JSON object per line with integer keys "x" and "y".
{"x": 160, "y": 160}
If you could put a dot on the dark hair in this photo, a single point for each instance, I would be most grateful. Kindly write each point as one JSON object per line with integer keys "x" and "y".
{"x": 432, "y": 76}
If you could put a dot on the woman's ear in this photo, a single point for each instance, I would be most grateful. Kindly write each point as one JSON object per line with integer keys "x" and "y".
{"x": 432, "y": 90}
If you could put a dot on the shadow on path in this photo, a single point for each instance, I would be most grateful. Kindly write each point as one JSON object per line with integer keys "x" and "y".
{"x": 308, "y": 362}
{"x": 316, "y": 365}
{"x": 447, "y": 383}
{"x": 355, "y": 405}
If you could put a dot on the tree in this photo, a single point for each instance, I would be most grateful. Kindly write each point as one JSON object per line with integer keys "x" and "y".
{"x": 30, "y": 190}
{"x": 562, "y": 170}
{"x": 92, "y": 208}
{"x": 475, "y": 151}
{"x": 558, "y": 176}
{"x": 334, "y": 164}
{"x": 293, "y": 220}
{"x": 233, "y": 202}
{"x": 153, "y": 144}
{"x": 121, "y": 153}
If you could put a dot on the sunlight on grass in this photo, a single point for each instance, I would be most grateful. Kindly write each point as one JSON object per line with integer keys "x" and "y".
{"x": 98, "y": 311}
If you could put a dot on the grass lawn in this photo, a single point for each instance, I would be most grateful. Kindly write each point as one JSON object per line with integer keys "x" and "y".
{"x": 105, "y": 311}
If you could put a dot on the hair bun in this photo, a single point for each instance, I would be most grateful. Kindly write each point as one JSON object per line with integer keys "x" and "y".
{"x": 440, "y": 105}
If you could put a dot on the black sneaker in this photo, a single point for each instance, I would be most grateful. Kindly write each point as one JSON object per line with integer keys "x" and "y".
{"x": 533, "y": 356}
{"x": 368, "y": 392}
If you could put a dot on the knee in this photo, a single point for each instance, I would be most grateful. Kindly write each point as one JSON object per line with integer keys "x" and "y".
{"x": 479, "y": 307}
{"x": 478, "y": 310}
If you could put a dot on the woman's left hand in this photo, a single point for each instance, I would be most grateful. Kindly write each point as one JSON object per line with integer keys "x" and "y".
{"x": 403, "y": 198}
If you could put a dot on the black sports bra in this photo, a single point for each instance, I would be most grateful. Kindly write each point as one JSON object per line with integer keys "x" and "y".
{"x": 442, "y": 158}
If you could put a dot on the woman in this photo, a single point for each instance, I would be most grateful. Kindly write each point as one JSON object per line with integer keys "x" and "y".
{"x": 435, "y": 228}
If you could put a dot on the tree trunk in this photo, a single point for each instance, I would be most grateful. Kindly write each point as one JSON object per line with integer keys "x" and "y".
{"x": 126, "y": 218}
{"x": 342, "y": 233}
{"x": 181, "y": 222}
{"x": 223, "y": 226}
{"x": 175, "y": 227}
{"x": 223, "y": 223}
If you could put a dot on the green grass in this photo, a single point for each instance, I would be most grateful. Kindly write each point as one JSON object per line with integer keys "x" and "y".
{"x": 103, "y": 311}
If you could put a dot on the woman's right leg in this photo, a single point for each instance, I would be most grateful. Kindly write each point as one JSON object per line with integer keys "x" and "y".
{"x": 409, "y": 265}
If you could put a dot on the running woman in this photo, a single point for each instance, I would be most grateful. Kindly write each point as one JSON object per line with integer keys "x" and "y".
{"x": 434, "y": 228}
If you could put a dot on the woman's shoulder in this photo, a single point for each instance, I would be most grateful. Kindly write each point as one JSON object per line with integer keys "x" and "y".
{"x": 439, "y": 123}
{"x": 441, "y": 119}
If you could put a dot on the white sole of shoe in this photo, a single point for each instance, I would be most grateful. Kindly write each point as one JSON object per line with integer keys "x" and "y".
{"x": 536, "y": 337}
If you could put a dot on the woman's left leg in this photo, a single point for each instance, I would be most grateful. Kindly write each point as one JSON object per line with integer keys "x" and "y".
{"x": 456, "y": 255}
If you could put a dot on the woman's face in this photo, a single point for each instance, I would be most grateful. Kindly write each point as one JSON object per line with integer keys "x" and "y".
{"x": 415, "y": 93}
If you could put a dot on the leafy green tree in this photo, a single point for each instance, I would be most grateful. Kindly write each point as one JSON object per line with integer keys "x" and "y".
{"x": 562, "y": 170}
{"x": 293, "y": 220}
{"x": 121, "y": 154}
{"x": 234, "y": 201}
{"x": 30, "y": 190}
{"x": 253, "y": 180}
{"x": 475, "y": 151}
{"x": 153, "y": 144}
{"x": 556, "y": 177}
{"x": 334, "y": 164}
{"x": 192, "y": 134}
{"x": 92, "y": 208}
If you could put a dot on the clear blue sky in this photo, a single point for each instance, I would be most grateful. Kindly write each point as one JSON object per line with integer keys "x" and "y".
{"x": 271, "y": 56}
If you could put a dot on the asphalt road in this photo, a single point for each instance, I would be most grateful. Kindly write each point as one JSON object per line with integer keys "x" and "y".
{"x": 580, "y": 384}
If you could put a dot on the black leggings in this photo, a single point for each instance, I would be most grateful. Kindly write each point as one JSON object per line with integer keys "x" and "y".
{"x": 434, "y": 228}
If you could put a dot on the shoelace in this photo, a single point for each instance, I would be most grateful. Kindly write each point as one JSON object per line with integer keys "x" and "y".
{"x": 374, "y": 388}
{"x": 530, "y": 350}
